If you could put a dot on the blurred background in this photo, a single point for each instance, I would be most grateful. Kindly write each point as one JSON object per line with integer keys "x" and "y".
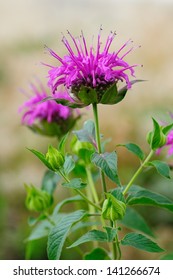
{"x": 25, "y": 27}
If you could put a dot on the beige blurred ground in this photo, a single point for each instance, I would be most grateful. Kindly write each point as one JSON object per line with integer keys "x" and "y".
{"x": 26, "y": 26}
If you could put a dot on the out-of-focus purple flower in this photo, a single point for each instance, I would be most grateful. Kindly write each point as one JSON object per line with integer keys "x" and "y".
{"x": 169, "y": 144}
{"x": 90, "y": 68}
{"x": 48, "y": 110}
{"x": 46, "y": 117}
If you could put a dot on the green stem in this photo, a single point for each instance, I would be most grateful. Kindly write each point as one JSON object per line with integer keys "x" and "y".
{"x": 114, "y": 246}
{"x": 79, "y": 192}
{"x": 95, "y": 113}
{"x": 138, "y": 172}
{"x": 92, "y": 186}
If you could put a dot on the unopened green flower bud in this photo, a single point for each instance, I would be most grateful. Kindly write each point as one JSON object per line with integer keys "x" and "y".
{"x": 156, "y": 141}
{"x": 37, "y": 199}
{"x": 55, "y": 158}
{"x": 113, "y": 209}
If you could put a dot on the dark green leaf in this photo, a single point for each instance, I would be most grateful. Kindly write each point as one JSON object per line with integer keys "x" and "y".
{"x": 109, "y": 96}
{"x": 87, "y": 134}
{"x": 141, "y": 196}
{"x": 161, "y": 167}
{"x": 97, "y": 254}
{"x": 135, "y": 149}
{"x": 93, "y": 235}
{"x": 141, "y": 242}
{"x": 41, "y": 157}
{"x": 117, "y": 192}
{"x": 50, "y": 181}
{"x": 69, "y": 164}
{"x": 59, "y": 233}
{"x": 111, "y": 233}
{"x": 135, "y": 221}
{"x": 167, "y": 129}
{"x": 107, "y": 162}
{"x": 75, "y": 183}
{"x": 87, "y": 95}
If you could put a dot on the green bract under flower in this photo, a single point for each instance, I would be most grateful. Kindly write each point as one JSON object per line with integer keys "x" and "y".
{"x": 92, "y": 75}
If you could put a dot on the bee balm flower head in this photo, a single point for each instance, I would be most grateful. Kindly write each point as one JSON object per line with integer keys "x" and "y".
{"x": 92, "y": 75}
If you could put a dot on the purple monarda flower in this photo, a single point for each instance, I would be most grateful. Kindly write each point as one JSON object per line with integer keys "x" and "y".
{"x": 46, "y": 117}
{"x": 88, "y": 72}
{"x": 36, "y": 110}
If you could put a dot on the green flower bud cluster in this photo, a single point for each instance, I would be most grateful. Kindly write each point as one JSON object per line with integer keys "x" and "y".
{"x": 113, "y": 209}
{"x": 54, "y": 158}
{"x": 37, "y": 200}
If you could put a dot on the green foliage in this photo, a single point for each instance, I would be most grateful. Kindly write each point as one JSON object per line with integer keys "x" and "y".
{"x": 107, "y": 162}
{"x": 75, "y": 183}
{"x": 87, "y": 134}
{"x": 141, "y": 242}
{"x": 161, "y": 167}
{"x": 55, "y": 158}
{"x": 135, "y": 149}
{"x": 93, "y": 235}
{"x": 50, "y": 181}
{"x": 69, "y": 164}
{"x": 133, "y": 220}
{"x": 167, "y": 257}
{"x": 59, "y": 233}
{"x": 87, "y": 95}
{"x": 140, "y": 196}
{"x": 97, "y": 254}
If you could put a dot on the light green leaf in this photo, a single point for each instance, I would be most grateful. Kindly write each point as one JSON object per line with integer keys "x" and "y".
{"x": 59, "y": 233}
{"x": 75, "y": 183}
{"x": 87, "y": 134}
{"x": 161, "y": 167}
{"x": 97, "y": 254}
{"x": 57, "y": 208}
{"x": 93, "y": 235}
{"x": 167, "y": 129}
{"x": 69, "y": 164}
{"x": 141, "y": 196}
{"x": 141, "y": 242}
{"x": 61, "y": 146}
{"x": 135, "y": 221}
{"x": 39, "y": 231}
{"x": 107, "y": 162}
{"x": 135, "y": 149}
{"x": 41, "y": 157}
{"x": 50, "y": 181}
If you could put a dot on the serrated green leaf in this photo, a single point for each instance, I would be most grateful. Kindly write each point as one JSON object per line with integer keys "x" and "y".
{"x": 97, "y": 254}
{"x": 50, "y": 181}
{"x": 93, "y": 235}
{"x": 135, "y": 221}
{"x": 135, "y": 149}
{"x": 142, "y": 196}
{"x": 161, "y": 167}
{"x": 59, "y": 233}
{"x": 107, "y": 162}
{"x": 75, "y": 183}
{"x": 87, "y": 134}
{"x": 141, "y": 242}
{"x": 41, "y": 157}
{"x": 69, "y": 164}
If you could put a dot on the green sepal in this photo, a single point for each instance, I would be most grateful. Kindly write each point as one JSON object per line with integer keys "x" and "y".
{"x": 113, "y": 209}
{"x": 156, "y": 138}
{"x": 87, "y": 95}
